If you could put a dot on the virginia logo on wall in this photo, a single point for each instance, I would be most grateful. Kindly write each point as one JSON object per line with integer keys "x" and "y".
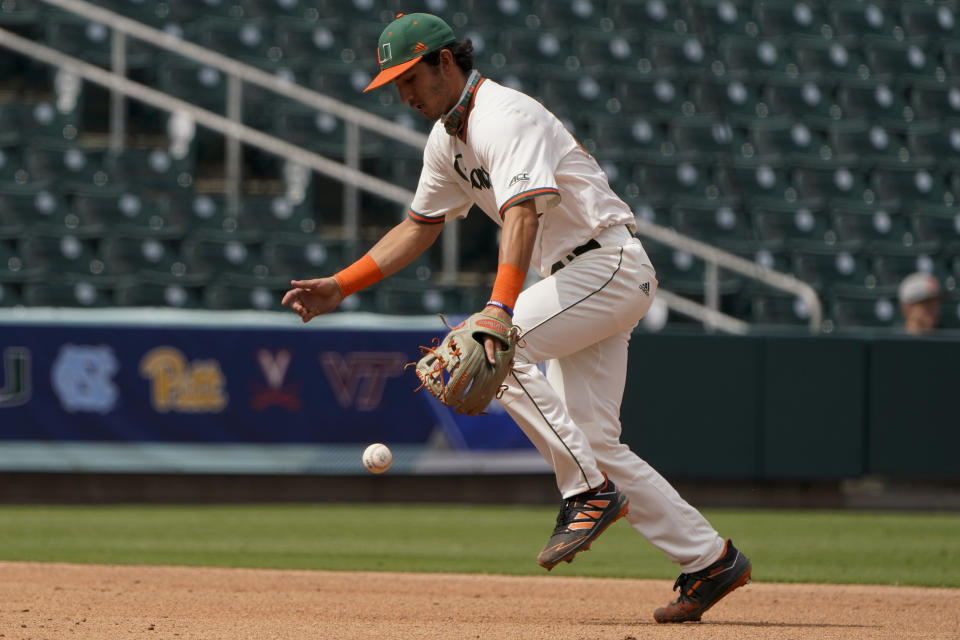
{"x": 16, "y": 389}
{"x": 177, "y": 384}
{"x": 274, "y": 366}
{"x": 82, "y": 378}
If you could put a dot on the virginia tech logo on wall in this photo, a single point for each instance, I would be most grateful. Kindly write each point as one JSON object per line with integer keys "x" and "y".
{"x": 359, "y": 378}
{"x": 177, "y": 384}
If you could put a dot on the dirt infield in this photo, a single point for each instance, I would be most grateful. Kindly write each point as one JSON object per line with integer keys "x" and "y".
{"x": 57, "y": 601}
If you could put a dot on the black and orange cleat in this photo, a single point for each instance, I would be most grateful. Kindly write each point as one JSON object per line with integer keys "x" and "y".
{"x": 702, "y": 589}
{"x": 582, "y": 518}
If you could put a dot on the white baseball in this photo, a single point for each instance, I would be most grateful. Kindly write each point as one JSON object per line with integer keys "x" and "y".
{"x": 377, "y": 458}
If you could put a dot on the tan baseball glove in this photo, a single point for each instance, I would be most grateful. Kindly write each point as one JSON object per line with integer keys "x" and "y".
{"x": 455, "y": 370}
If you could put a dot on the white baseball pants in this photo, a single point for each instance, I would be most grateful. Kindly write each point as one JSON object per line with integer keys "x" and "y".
{"x": 579, "y": 322}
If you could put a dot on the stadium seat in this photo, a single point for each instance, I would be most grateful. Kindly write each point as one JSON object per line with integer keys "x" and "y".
{"x": 151, "y": 169}
{"x": 13, "y": 270}
{"x": 123, "y": 254}
{"x": 939, "y": 224}
{"x": 708, "y": 135}
{"x": 151, "y": 289}
{"x": 275, "y": 213}
{"x": 219, "y": 253}
{"x": 304, "y": 43}
{"x": 66, "y": 163}
{"x": 344, "y": 82}
{"x": 660, "y": 15}
{"x": 235, "y": 38}
{"x": 721, "y": 222}
{"x": 569, "y": 91}
{"x": 835, "y": 179}
{"x": 302, "y": 255}
{"x": 827, "y": 58}
{"x": 655, "y": 93}
{"x": 669, "y": 51}
{"x": 737, "y": 98}
{"x": 407, "y": 296}
{"x": 868, "y": 141}
{"x": 714, "y": 19}
{"x": 683, "y": 273}
{"x": 864, "y": 309}
{"x": 833, "y": 270}
{"x": 761, "y": 58}
{"x": 204, "y": 86}
{"x": 809, "y": 98}
{"x": 610, "y": 137}
{"x": 58, "y": 253}
{"x": 910, "y": 182}
{"x": 751, "y": 178}
{"x": 92, "y": 41}
{"x": 319, "y": 131}
{"x": 786, "y": 138}
{"x": 236, "y": 292}
{"x": 950, "y": 55}
{"x": 788, "y": 17}
{"x": 522, "y": 46}
{"x": 929, "y": 20}
{"x": 21, "y": 13}
{"x": 674, "y": 176}
{"x": 873, "y": 228}
{"x": 934, "y": 100}
{"x": 792, "y": 225}
{"x": 898, "y": 58}
{"x": 859, "y": 18}
{"x": 873, "y": 99}
{"x": 559, "y": 14}
{"x": 70, "y": 291}
{"x": 892, "y": 265}
{"x": 23, "y": 207}
{"x": 600, "y": 51}
{"x": 123, "y": 210}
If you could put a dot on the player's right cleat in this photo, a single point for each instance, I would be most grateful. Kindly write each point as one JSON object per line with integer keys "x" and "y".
{"x": 702, "y": 589}
{"x": 582, "y": 518}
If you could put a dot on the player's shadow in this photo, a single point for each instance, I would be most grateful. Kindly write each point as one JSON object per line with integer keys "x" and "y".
{"x": 784, "y": 625}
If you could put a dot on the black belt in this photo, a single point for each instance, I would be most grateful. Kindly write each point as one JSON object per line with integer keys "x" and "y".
{"x": 589, "y": 245}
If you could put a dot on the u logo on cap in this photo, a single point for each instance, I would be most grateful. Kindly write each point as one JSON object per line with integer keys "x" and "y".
{"x": 385, "y": 53}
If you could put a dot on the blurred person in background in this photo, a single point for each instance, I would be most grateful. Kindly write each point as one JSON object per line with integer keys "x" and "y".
{"x": 919, "y": 295}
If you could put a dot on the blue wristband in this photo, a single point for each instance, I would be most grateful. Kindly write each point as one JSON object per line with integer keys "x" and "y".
{"x": 501, "y": 305}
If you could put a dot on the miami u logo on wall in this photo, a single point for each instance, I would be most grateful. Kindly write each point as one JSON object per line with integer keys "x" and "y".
{"x": 385, "y": 53}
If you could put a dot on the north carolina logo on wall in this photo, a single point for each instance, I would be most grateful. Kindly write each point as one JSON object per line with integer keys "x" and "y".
{"x": 82, "y": 378}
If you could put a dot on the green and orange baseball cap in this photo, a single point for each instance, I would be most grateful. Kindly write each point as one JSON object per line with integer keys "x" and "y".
{"x": 405, "y": 40}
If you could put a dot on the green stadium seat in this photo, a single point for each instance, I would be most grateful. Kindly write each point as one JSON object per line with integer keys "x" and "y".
{"x": 873, "y": 228}
{"x": 235, "y": 292}
{"x": 895, "y": 57}
{"x": 66, "y": 163}
{"x": 929, "y": 20}
{"x": 305, "y": 42}
{"x": 910, "y": 182}
{"x": 218, "y": 253}
{"x": 714, "y": 19}
{"x": 572, "y": 91}
{"x": 761, "y": 58}
{"x": 10, "y": 294}
{"x": 123, "y": 210}
{"x": 151, "y": 169}
{"x": 892, "y": 265}
{"x": 868, "y": 141}
{"x": 275, "y": 213}
{"x": 721, "y": 222}
{"x": 950, "y": 311}
{"x": 654, "y": 93}
{"x": 827, "y": 58}
{"x": 21, "y": 13}
{"x": 233, "y": 37}
{"x": 407, "y": 296}
{"x": 939, "y": 224}
{"x": 708, "y": 135}
{"x": 559, "y": 14}
{"x": 622, "y": 137}
{"x": 738, "y": 99}
{"x": 658, "y": 15}
{"x": 159, "y": 290}
{"x": 773, "y": 307}
{"x": 13, "y": 269}
{"x": 792, "y": 225}
{"x": 600, "y": 51}
{"x": 950, "y": 56}
{"x": 522, "y": 46}
{"x": 23, "y": 207}
{"x": 934, "y": 100}
{"x": 204, "y": 86}
{"x": 865, "y": 309}
{"x": 123, "y": 254}
{"x": 859, "y": 18}
{"x": 809, "y": 98}
{"x": 321, "y": 132}
{"x": 342, "y": 81}
{"x": 873, "y": 99}
{"x": 833, "y": 270}
{"x": 303, "y": 10}
{"x": 788, "y": 17}
{"x": 835, "y": 179}
{"x": 674, "y": 51}
{"x": 675, "y": 176}
{"x": 683, "y": 273}
{"x": 58, "y": 253}
{"x": 70, "y": 291}
{"x": 786, "y": 138}
{"x": 303, "y": 256}
{"x": 751, "y": 178}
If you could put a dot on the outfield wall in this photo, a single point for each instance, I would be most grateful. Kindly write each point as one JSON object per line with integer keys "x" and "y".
{"x": 164, "y": 391}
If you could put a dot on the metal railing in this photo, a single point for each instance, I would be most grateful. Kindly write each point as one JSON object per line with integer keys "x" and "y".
{"x": 236, "y": 132}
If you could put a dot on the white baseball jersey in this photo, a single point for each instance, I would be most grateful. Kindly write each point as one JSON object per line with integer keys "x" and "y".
{"x": 507, "y": 149}
{"x": 514, "y": 150}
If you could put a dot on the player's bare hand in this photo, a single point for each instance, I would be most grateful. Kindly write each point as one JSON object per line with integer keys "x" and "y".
{"x": 491, "y": 344}
{"x": 312, "y": 298}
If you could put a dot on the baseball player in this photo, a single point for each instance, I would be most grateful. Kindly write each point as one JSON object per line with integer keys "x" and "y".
{"x": 503, "y": 151}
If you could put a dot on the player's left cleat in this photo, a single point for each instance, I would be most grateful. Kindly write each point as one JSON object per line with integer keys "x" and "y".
{"x": 702, "y": 589}
{"x": 582, "y": 518}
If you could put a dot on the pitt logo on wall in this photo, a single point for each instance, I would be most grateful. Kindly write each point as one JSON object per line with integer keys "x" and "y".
{"x": 182, "y": 386}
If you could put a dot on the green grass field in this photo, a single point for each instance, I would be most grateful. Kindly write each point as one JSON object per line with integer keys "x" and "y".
{"x": 785, "y": 546}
